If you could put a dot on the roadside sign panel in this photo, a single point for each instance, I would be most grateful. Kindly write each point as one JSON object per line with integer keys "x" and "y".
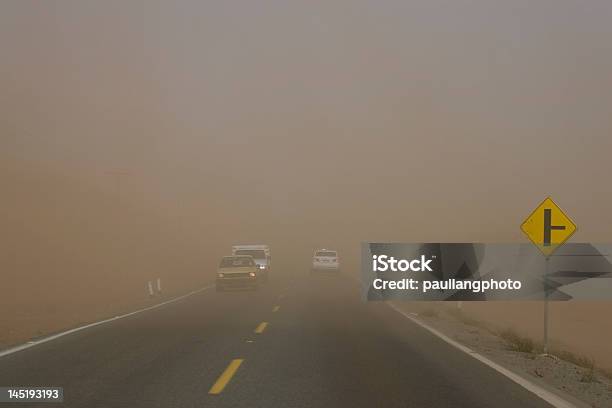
{"x": 548, "y": 227}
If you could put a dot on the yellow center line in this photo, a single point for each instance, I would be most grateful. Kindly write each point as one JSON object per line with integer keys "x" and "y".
{"x": 276, "y": 308}
{"x": 227, "y": 375}
{"x": 262, "y": 326}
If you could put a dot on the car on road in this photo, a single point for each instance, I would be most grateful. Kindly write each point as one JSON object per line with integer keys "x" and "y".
{"x": 237, "y": 272}
{"x": 261, "y": 255}
{"x": 325, "y": 260}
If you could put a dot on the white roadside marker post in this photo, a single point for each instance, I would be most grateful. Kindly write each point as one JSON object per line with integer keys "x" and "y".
{"x": 159, "y": 286}
{"x": 150, "y": 286}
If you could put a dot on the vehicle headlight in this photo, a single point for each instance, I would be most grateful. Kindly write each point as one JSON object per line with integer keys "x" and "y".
{"x": 252, "y": 274}
{"x": 220, "y": 275}
{"x": 262, "y": 266}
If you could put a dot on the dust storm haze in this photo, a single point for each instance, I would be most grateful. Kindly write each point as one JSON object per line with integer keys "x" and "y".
{"x": 142, "y": 139}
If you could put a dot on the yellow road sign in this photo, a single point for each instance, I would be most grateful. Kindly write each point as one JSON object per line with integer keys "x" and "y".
{"x": 548, "y": 227}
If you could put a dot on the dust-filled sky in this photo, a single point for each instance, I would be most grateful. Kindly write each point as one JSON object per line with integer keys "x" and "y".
{"x": 389, "y": 120}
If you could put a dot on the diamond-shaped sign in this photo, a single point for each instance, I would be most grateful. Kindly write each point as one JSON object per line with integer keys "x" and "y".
{"x": 548, "y": 227}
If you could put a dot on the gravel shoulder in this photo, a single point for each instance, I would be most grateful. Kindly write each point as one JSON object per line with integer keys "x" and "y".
{"x": 568, "y": 374}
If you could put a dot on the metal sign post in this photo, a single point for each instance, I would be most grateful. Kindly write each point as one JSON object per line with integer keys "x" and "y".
{"x": 546, "y": 306}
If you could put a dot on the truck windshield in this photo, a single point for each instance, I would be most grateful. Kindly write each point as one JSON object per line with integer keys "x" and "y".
{"x": 326, "y": 253}
{"x": 255, "y": 253}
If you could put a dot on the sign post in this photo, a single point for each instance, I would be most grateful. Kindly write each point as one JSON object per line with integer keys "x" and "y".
{"x": 545, "y": 347}
{"x": 548, "y": 227}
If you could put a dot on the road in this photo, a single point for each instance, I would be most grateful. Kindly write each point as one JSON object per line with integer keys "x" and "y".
{"x": 322, "y": 347}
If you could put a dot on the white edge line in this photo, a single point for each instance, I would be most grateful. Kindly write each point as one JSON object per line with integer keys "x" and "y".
{"x": 547, "y": 396}
{"x": 33, "y": 343}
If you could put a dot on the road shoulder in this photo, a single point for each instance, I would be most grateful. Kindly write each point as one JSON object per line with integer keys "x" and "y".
{"x": 561, "y": 380}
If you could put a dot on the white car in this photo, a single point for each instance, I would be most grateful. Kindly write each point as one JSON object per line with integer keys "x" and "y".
{"x": 325, "y": 260}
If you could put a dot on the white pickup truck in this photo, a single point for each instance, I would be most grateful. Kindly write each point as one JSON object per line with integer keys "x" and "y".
{"x": 261, "y": 255}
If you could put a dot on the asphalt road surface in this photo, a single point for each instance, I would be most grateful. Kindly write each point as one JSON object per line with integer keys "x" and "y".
{"x": 321, "y": 347}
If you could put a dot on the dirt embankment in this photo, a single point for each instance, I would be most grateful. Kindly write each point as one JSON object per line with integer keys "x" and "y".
{"x": 578, "y": 327}
{"x": 581, "y": 327}
{"x": 499, "y": 335}
{"x": 73, "y": 252}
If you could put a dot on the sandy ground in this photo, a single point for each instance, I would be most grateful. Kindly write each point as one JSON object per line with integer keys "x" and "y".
{"x": 46, "y": 310}
{"x": 579, "y": 327}
{"x": 582, "y": 327}
{"x": 73, "y": 253}
{"x": 592, "y": 387}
